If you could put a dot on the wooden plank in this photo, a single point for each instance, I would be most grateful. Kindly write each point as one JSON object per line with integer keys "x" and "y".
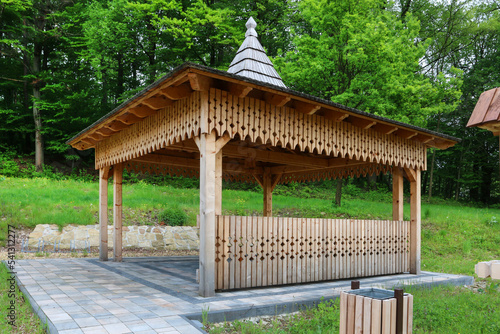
{"x": 243, "y": 251}
{"x": 328, "y": 249}
{"x": 117, "y": 212}
{"x": 103, "y": 214}
{"x": 254, "y": 254}
{"x": 367, "y": 315}
{"x": 358, "y": 321}
{"x": 301, "y": 265}
{"x": 405, "y": 314}
{"x": 237, "y": 254}
{"x": 386, "y": 316}
{"x": 481, "y": 109}
{"x": 279, "y": 265}
{"x": 336, "y": 249}
{"x": 260, "y": 247}
{"x": 393, "y": 315}
{"x": 227, "y": 278}
{"x": 343, "y": 313}
{"x": 233, "y": 243}
{"x": 295, "y": 249}
{"x": 266, "y": 265}
{"x": 219, "y": 235}
{"x": 275, "y": 251}
{"x": 287, "y": 262}
{"x": 410, "y": 314}
{"x": 376, "y": 316}
{"x": 351, "y": 311}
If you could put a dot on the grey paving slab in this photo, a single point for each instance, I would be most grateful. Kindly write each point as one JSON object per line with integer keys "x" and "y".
{"x": 159, "y": 295}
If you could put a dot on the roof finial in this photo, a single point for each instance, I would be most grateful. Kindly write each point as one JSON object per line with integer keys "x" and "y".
{"x": 251, "y": 24}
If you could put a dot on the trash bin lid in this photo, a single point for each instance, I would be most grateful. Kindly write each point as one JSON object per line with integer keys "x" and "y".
{"x": 374, "y": 293}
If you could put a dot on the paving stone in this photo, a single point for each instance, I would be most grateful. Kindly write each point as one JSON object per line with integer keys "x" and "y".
{"x": 87, "y": 322}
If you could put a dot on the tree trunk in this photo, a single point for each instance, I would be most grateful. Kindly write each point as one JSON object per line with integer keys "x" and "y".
{"x": 39, "y": 156}
{"x": 338, "y": 193}
{"x": 431, "y": 173}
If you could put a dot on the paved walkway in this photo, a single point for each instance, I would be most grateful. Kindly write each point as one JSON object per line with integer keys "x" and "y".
{"x": 159, "y": 295}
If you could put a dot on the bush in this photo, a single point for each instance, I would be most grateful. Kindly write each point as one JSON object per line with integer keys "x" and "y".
{"x": 173, "y": 216}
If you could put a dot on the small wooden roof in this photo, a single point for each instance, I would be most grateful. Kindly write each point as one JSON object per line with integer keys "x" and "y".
{"x": 251, "y": 60}
{"x": 486, "y": 114}
{"x": 189, "y": 77}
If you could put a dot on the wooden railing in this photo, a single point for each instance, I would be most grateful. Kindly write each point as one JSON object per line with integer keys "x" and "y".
{"x": 265, "y": 251}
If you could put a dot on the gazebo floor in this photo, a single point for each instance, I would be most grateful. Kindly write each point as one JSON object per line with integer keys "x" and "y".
{"x": 160, "y": 294}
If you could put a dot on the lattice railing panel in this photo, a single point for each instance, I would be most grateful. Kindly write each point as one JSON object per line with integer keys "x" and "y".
{"x": 265, "y": 251}
{"x": 286, "y": 127}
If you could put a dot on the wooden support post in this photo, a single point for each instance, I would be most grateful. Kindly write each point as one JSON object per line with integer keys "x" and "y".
{"x": 103, "y": 213}
{"x": 397, "y": 194}
{"x": 218, "y": 183}
{"x": 415, "y": 220}
{"x": 117, "y": 212}
{"x": 208, "y": 166}
{"x": 268, "y": 192}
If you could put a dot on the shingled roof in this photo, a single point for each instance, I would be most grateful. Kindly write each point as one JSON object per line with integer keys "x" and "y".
{"x": 251, "y": 60}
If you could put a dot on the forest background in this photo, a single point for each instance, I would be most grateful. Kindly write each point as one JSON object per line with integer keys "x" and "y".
{"x": 66, "y": 63}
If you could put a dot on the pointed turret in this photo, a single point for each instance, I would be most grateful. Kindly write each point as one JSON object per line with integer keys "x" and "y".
{"x": 251, "y": 60}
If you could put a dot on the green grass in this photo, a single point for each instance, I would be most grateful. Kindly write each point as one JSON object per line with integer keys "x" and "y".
{"x": 25, "y": 320}
{"x": 454, "y": 238}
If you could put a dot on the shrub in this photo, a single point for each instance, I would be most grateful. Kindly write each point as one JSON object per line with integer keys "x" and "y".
{"x": 173, "y": 216}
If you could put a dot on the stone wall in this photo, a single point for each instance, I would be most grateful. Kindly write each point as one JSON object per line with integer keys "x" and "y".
{"x": 79, "y": 236}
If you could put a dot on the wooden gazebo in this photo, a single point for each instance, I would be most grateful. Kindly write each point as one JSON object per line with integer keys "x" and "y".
{"x": 247, "y": 126}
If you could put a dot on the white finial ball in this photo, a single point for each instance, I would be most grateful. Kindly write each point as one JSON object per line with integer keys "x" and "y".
{"x": 251, "y": 24}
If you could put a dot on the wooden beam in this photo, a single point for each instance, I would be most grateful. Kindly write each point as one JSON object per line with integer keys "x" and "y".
{"x": 397, "y": 194}
{"x": 105, "y": 132}
{"x": 410, "y": 174}
{"x": 117, "y": 212}
{"x": 116, "y": 126}
{"x": 239, "y": 90}
{"x": 276, "y": 179}
{"x": 337, "y": 116}
{"x": 276, "y": 99}
{"x": 128, "y": 118}
{"x": 160, "y": 159}
{"x": 268, "y": 192}
{"x": 200, "y": 82}
{"x": 103, "y": 213}
{"x": 423, "y": 138}
{"x": 177, "y": 92}
{"x": 362, "y": 122}
{"x": 157, "y": 102}
{"x": 333, "y": 163}
{"x": 385, "y": 128}
{"x": 406, "y": 134}
{"x": 142, "y": 111}
{"x": 306, "y": 108}
{"x": 207, "y": 215}
{"x": 415, "y": 224}
{"x": 221, "y": 142}
{"x": 218, "y": 183}
{"x": 241, "y": 151}
{"x": 89, "y": 141}
{"x": 96, "y": 136}
{"x": 259, "y": 180}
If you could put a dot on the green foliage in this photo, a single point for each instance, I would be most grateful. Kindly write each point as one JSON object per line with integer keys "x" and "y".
{"x": 361, "y": 55}
{"x": 173, "y": 216}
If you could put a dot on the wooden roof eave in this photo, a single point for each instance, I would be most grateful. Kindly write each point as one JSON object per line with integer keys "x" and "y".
{"x": 190, "y": 77}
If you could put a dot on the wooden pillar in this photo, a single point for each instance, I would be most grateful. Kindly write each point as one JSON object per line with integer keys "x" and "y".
{"x": 117, "y": 212}
{"x": 267, "y": 186}
{"x": 103, "y": 213}
{"x": 397, "y": 194}
{"x": 218, "y": 183}
{"x": 207, "y": 214}
{"x": 415, "y": 220}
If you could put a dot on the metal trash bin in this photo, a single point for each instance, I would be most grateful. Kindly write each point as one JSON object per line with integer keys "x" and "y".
{"x": 373, "y": 310}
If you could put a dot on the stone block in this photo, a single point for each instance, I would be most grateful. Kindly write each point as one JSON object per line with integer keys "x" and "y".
{"x": 157, "y": 244}
{"x": 132, "y": 239}
{"x": 495, "y": 269}
{"x": 145, "y": 244}
{"x": 94, "y": 239}
{"x": 483, "y": 269}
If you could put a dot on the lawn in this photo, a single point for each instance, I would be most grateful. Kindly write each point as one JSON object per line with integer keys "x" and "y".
{"x": 454, "y": 238}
